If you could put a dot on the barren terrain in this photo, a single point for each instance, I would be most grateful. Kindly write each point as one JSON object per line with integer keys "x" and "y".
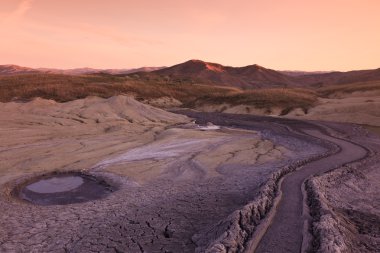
{"x": 182, "y": 186}
{"x": 219, "y": 179}
{"x": 170, "y": 172}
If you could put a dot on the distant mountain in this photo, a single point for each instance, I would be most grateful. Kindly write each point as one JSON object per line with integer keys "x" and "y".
{"x": 84, "y": 71}
{"x": 18, "y": 70}
{"x": 252, "y": 76}
{"x": 197, "y": 71}
{"x": 77, "y": 71}
{"x": 255, "y": 76}
{"x": 129, "y": 71}
{"x": 302, "y": 73}
{"x": 15, "y": 70}
{"x": 332, "y": 78}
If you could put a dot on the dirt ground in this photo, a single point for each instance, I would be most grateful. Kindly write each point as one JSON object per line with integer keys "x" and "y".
{"x": 348, "y": 199}
{"x": 176, "y": 179}
{"x": 359, "y": 108}
{"x": 178, "y": 182}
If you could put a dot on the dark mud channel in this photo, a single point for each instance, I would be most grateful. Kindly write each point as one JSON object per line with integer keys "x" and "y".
{"x": 63, "y": 189}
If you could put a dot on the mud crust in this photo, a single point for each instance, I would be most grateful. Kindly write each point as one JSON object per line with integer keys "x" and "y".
{"x": 241, "y": 225}
{"x": 331, "y": 238}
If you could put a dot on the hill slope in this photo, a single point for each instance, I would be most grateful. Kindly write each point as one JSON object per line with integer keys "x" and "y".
{"x": 86, "y": 71}
{"x": 6, "y": 70}
{"x": 332, "y": 78}
{"x": 200, "y": 72}
{"x": 255, "y": 76}
{"x": 252, "y": 76}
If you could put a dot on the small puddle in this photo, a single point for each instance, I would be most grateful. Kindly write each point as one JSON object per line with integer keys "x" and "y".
{"x": 208, "y": 127}
{"x": 65, "y": 188}
{"x": 56, "y": 184}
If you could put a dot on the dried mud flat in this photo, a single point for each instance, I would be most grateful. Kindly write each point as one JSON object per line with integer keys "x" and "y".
{"x": 181, "y": 188}
{"x": 346, "y": 200}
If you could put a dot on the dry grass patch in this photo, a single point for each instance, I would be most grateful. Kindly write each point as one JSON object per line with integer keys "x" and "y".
{"x": 63, "y": 88}
{"x": 373, "y": 129}
{"x": 349, "y": 88}
{"x": 286, "y": 99}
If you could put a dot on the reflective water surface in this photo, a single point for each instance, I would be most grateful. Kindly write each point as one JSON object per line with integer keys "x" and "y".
{"x": 63, "y": 189}
{"x": 56, "y": 184}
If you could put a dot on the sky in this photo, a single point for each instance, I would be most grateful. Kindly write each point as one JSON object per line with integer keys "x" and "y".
{"x": 278, "y": 34}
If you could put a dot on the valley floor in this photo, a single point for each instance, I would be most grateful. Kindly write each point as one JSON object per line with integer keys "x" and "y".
{"x": 179, "y": 184}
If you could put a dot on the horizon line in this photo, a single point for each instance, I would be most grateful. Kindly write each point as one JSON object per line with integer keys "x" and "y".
{"x": 168, "y": 66}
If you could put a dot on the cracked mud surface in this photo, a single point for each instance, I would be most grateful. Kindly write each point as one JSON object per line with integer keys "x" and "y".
{"x": 282, "y": 233}
{"x": 348, "y": 217}
{"x": 177, "y": 182}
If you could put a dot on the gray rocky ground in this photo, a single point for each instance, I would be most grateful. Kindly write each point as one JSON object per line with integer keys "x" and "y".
{"x": 181, "y": 188}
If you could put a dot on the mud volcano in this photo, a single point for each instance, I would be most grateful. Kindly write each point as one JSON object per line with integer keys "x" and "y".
{"x": 64, "y": 188}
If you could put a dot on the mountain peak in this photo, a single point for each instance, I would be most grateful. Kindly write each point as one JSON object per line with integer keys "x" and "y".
{"x": 195, "y": 61}
{"x": 208, "y": 72}
{"x": 202, "y": 65}
{"x": 255, "y": 66}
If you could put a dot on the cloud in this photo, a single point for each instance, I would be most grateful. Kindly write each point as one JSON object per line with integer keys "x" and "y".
{"x": 17, "y": 14}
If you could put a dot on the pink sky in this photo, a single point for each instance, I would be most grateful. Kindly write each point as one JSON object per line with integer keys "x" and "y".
{"x": 278, "y": 34}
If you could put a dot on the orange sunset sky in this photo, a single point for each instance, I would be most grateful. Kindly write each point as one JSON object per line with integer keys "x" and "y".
{"x": 277, "y": 34}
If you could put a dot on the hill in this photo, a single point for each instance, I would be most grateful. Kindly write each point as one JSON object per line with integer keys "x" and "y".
{"x": 255, "y": 76}
{"x": 302, "y": 73}
{"x": 333, "y": 78}
{"x": 354, "y": 99}
{"x": 345, "y": 96}
{"x": 86, "y": 71}
{"x": 15, "y": 70}
{"x": 201, "y": 72}
{"x": 252, "y": 76}
{"x": 6, "y": 70}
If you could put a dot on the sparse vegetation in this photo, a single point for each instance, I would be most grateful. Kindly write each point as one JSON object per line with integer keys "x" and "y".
{"x": 349, "y": 88}
{"x": 287, "y": 99}
{"x": 62, "y": 88}
{"x": 52, "y": 86}
{"x": 373, "y": 129}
